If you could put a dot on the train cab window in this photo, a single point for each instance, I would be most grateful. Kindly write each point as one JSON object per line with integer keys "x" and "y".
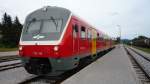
{"x": 50, "y": 26}
{"x": 34, "y": 27}
{"x": 83, "y": 32}
{"x": 45, "y": 26}
{"x": 75, "y": 30}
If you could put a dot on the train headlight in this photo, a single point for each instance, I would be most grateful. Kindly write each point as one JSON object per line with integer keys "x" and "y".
{"x": 56, "y": 48}
{"x": 20, "y": 47}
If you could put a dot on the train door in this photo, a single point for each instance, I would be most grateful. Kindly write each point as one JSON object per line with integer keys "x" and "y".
{"x": 94, "y": 35}
{"x": 89, "y": 36}
{"x": 75, "y": 31}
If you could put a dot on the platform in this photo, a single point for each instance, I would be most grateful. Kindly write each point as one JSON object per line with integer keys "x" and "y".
{"x": 113, "y": 68}
{"x": 10, "y": 53}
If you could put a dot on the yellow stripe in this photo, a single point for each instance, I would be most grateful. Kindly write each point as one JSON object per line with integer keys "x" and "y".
{"x": 94, "y": 34}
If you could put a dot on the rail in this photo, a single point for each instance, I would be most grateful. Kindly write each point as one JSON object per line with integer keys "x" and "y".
{"x": 10, "y": 65}
{"x": 142, "y": 61}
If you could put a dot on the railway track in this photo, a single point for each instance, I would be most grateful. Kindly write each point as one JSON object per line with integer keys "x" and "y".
{"x": 141, "y": 64}
{"x": 9, "y": 58}
{"x": 10, "y": 65}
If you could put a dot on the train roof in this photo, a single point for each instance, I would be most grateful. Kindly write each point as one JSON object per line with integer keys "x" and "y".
{"x": 48, "y": 11}
{"x": 57, "y": 12}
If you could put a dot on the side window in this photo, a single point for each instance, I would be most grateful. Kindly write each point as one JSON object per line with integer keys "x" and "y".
{"x": 83, "y": 32}
{"x": 101, "y": 37}
{"x": 89, "y": 34}
{"x": 98, "y": 36}
{"x": 75, "y": 30}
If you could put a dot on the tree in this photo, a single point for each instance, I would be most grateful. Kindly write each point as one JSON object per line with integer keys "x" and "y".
{"x": 6, "y": 29}
{"x": 6, "y": 20}
{"x": 10, "y": 31}
{"x": 141, "y": 41}
{"x": 0, "y": 28}
{"x": 17, "y": 27}
{"x": 118, "y": 40}
{"x": 0, "y": 32}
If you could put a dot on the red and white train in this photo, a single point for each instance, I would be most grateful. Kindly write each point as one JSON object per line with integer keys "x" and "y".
{"x": 54, "y": 40}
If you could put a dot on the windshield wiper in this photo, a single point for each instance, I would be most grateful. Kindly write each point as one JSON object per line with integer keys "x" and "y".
{"x": 54, "y": 21}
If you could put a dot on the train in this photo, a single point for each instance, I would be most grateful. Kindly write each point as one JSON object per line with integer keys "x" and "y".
{"x": 54, "y": 40}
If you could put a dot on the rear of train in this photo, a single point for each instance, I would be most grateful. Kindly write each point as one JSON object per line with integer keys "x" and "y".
{"x": 44, "y": 44}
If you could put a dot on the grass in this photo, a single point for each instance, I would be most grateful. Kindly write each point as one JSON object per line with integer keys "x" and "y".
{"x": 7, "y": 49}
{"x": 143, "y": 49}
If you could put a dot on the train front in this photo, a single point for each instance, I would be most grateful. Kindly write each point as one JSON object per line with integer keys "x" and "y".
{"x": 40, "y": 39}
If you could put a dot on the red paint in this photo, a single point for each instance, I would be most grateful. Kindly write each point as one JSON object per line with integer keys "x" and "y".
{"x": 81, "y": 46}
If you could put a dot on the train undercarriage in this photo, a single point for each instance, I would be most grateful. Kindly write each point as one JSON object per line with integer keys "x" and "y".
{"x": 49, "y": 66}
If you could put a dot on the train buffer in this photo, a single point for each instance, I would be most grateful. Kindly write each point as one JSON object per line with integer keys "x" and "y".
{"x": 113, "y": 68}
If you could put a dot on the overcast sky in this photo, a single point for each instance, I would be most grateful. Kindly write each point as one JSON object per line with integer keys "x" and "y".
{"x": 132, "y": 16}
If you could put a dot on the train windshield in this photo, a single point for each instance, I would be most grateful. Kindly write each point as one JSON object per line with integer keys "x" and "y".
{"x": 46, "y": 26}
{"x": 43, "y": 30}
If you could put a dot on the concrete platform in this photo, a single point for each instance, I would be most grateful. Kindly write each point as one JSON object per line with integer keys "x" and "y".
{"x": 10, "y": 53}
{"x": 113, "y": 68}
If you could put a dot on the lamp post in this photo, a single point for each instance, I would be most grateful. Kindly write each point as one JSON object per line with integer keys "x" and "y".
{"x": 119, "y": 28}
